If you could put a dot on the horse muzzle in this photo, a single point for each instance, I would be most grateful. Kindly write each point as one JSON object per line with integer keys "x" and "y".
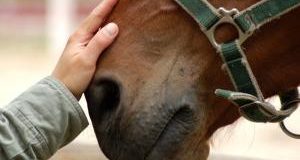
{"x": 147, "y": 126}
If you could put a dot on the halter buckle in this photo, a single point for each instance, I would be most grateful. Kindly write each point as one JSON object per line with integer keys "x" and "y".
{"x": 227, "y": 16}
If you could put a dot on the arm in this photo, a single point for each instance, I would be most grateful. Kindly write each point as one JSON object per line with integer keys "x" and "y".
{"x": 40, "y": 121}
{"x": 47, "y": 116}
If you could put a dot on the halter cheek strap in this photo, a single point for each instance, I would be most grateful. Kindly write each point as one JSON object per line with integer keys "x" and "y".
{"x": 248, "y": 95}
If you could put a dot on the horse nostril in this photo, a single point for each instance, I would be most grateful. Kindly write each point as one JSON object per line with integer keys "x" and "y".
{"x": 110, "y": 98}
{"x": 103, "y": 96}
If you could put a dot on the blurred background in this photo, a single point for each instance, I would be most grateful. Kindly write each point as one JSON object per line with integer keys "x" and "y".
{"x": 33, "y": 34}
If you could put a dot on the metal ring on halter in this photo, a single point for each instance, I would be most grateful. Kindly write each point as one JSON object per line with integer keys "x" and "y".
{"x": 288, "y": 132}
{"x": 292, "y": 104}
{"x": 227, "y": 16}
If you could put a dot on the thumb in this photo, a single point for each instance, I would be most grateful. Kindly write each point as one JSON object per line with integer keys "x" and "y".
{"x": 103, "y": 38}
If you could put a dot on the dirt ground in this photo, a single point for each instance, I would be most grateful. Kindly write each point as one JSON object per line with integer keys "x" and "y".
{"x": 79, "y": 152}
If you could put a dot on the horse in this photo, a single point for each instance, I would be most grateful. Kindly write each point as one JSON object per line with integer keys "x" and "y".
{"x": 152, "y": 96}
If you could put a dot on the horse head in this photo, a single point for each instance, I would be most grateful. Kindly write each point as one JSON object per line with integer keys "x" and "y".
{"x": 152, "y": 96}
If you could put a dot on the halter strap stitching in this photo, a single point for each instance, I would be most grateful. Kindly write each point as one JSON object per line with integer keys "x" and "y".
{"x": 264, "y": 12}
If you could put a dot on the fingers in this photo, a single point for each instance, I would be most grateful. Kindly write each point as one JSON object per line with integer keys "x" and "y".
{"x": 93, "y": 22}
{"x": 101, "y": 41}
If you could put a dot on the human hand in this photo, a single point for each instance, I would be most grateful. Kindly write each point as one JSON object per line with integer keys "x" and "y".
{"x": 77, "y": 64}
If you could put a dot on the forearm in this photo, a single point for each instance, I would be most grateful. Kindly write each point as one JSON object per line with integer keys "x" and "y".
{"x": 40, "y": 121}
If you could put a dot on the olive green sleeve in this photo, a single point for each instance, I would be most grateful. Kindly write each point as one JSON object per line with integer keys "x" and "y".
{"x": 39, "y": 122}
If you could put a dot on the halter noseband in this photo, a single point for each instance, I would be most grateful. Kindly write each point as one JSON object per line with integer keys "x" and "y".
{"x": 248, "y": 95}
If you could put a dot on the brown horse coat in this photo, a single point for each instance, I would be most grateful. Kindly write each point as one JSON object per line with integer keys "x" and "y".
{"x": 153, "y": 93}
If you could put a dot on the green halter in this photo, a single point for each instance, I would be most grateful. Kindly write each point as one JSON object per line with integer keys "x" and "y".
{"x": 248, "y": 95}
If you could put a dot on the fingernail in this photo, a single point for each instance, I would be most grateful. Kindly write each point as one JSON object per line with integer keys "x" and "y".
{"x": 111, "y": 29}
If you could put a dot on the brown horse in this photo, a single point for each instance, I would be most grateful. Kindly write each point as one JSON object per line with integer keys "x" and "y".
{"x": 153, "y": 93}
